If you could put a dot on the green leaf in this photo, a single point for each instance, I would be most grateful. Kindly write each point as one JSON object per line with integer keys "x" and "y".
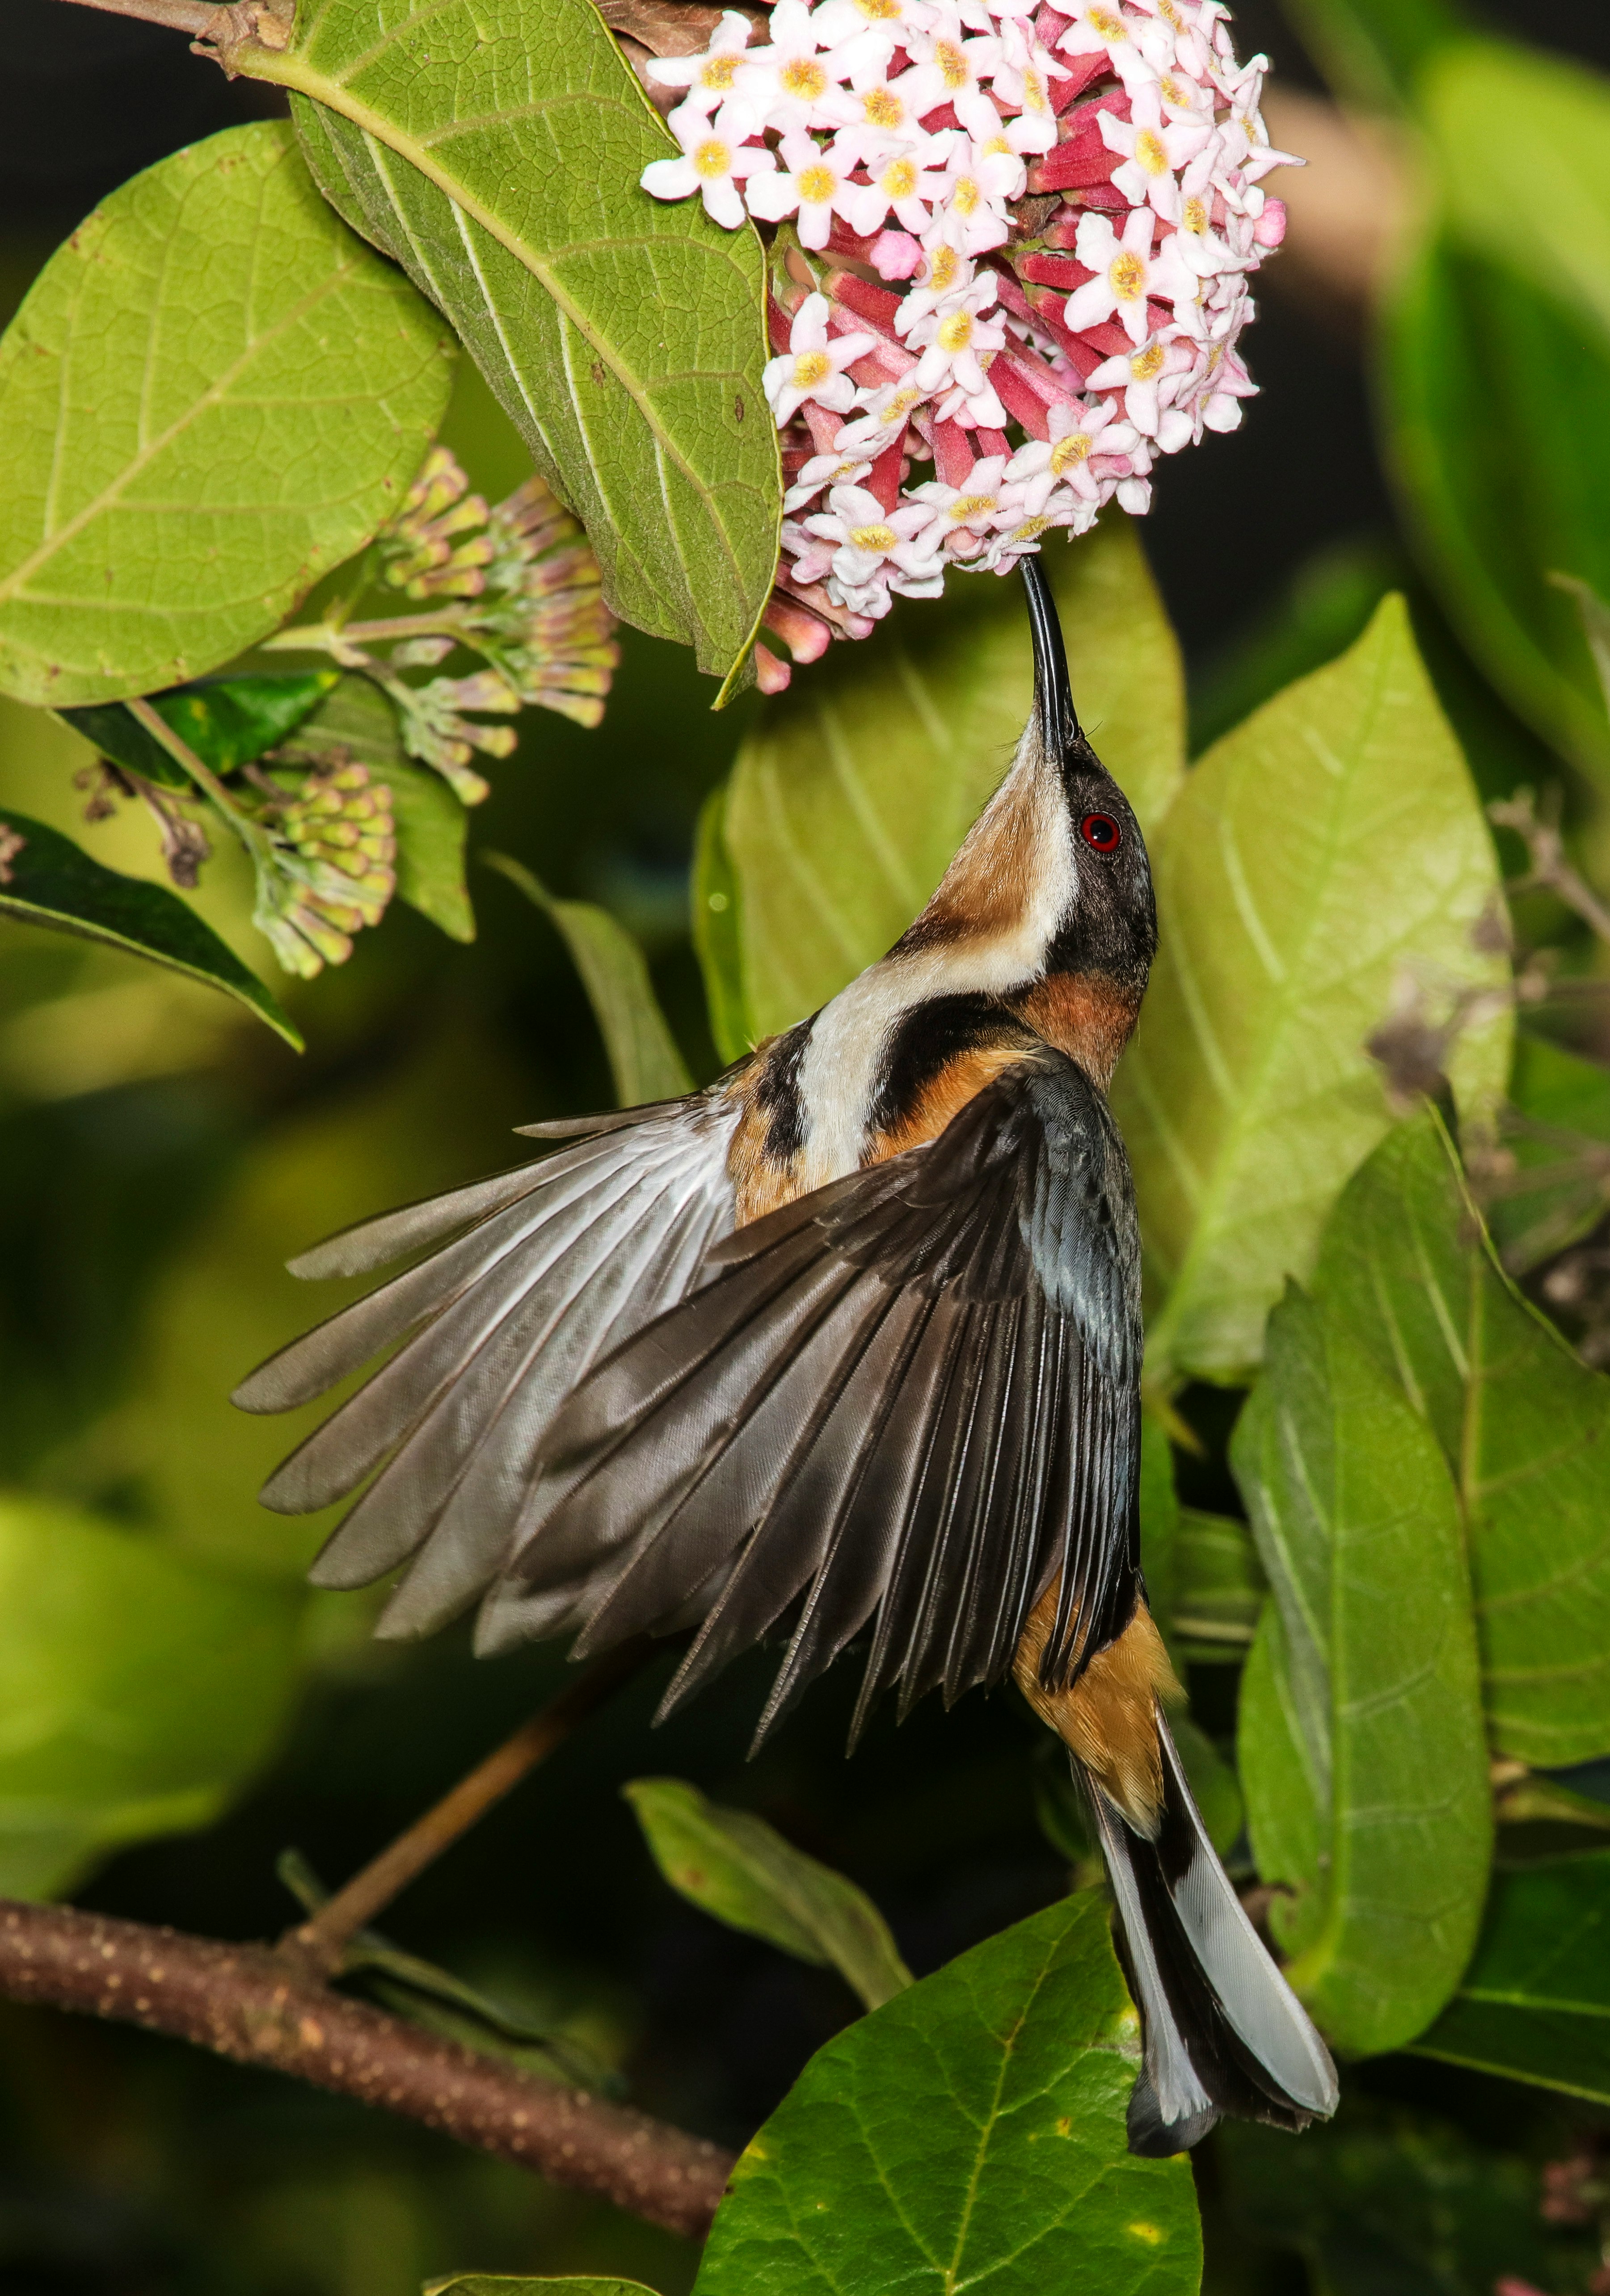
{"x": 1330, "y": 845}
{"x": 735, "y": 1866}
{"x": 969, "y": 2134}
{"x": 1534, "y": 2004}
{"x": 431, "y": 823}
{"x": 137, "y": 1692}
{"x": 1373, "y": 51}
{"x": 1462, "y": 337}
{"x": 509, "y": 2283}
{"x": 1522, "y": 1425}
{"x": 1556, "y": 1192}
{"x": 227, "y": 721}
{"x": 643, "y": 1058}
{"x": 717, "y": 937}
{"x": 47, "y": 879}
{"x": 1159, "y": 1523}
{"x": 860, "y": 782}
{"x": 495, "y": 151}
{"x": 1214, "y": 1783}
{"x": 1323, "y": 609}
{"x": 213, "y": 393}
{"x": 1362, "y": 1754}
{"x": 1219, "y": 1587}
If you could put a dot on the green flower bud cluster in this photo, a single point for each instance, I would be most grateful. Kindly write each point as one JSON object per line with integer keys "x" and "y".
{"x": 328, "y": 863}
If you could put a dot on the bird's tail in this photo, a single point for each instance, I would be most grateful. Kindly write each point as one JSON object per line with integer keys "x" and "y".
{"x": 1224, "y": 2033}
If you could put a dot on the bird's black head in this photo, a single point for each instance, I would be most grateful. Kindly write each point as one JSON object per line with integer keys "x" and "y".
{"x": 1110, "y": 926}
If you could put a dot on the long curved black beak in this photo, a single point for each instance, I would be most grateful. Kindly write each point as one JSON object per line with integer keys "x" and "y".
{"x": 1059, "y": 726}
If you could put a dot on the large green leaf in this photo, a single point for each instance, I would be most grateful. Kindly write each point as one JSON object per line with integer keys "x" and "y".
{"x": 1534, "y": 2004}
{"x": 430, "y": 822}
{"x": 860, "y": 782}
{"x": 1219, "y": 1587}
{"x": 732, "y": 1864}
{"x": 213, "y": 392}
{"x": 1373, "y": 51}
{"x": 1329, "y": 846}
{"x": 643, "y": 1058}
{"x": 969, "y": 2133}
{"x": 226, "y": 721}
{"x": 713, "y": 896}
{"x": 1496, "y": 511}
{"x": 137, "y": 1690}
{"x": 47, "y": 879}
{"x": 1362, "y": 1755}
{"x": 1522, "y": 1422}
{"x": 493, "y": 147}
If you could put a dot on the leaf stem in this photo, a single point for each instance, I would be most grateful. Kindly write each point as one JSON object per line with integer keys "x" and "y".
{"x": 321, "y": 1942}
{"x": 251, "y": 837}
{"x": 330, "y": 638}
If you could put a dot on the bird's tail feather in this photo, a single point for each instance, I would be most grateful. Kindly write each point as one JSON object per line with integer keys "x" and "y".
{"x": 1224, "y": 2031}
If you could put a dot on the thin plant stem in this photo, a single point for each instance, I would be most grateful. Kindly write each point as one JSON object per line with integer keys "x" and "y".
{"x": 329, "y": 637}
{"x": 321, "y": 1941}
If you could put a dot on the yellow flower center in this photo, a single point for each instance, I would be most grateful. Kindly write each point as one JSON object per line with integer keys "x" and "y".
{"x": 718, "y": 71}
{"x": 817, "y": 185}
{"x": 1030, "y": 529}
{"x": 1074, "y": 449}
{"x": 1172, "y": 91}
{"x": 883, "y": 108}
{"x": 809, "y": 368}
{"x": 1128, "y": 275}
{"x": 873, "y": 538}
{"x": 955, "y": 332}
{"x": 803, "y": 76}
{"x": 1147, "y": 364}
{"x": 711, "y": 159}
{"x": 942, "y": 268}
{"x": 964, "y": 195}
{"x": 898, "y": 179}
{"x": 901, "y": 405}
{"x": 953, "y": 69}
{"x": 1149, "y": 151}
{"x": 998, "y": 143}
{"x": 880, "y": 12}
{"x": 972, "y": 506}
{"x": 1170, "y": 15}
{"x": 1034, "y": 93}
{"x": 1195, "y": 215}
{"x": 1107, "y": 26}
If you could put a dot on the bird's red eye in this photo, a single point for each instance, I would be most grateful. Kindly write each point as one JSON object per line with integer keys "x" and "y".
{"x": 1100, "y": 832}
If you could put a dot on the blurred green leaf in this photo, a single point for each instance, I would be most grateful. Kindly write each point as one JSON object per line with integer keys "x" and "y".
{"x": 643, "y": 1057}
{"x": 734, "y": 1866}
{"x": 1496, "y": 512}
{"x": 1159, "y": 1523}
{"x": 716, "y": 937}
{"x": 970, "y": 2132}
{"x": 1362, "y": 1753}
{"x": 508, "y": 2283}
{"x": 1212, "y": 1781}
{"x": 1522, "y": 1425}
{"x": 431, "y": 823}
{"x": 1372, "y": 51}
{"x": 1534, "y": 2004}
{"x": 1331, "y": 844}
{"x": 1522, "y": 142}
{"x": 226, "y": 721}
{"x": 860, "y": 782}
{"x": 47, "y": 879}
{"x": 624, "y": 337}
{"x": 1560, "y": 1187}
{"x": 193, "y": 434}
{"x": 1325, "y": 608}
{"x": 1385, "y": 2203}
{"x": 137, "y": 1691}
{"x": 1219, "y": 1587}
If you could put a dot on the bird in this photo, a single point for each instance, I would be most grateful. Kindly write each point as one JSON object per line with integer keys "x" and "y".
{"x": 844, "y": 1349}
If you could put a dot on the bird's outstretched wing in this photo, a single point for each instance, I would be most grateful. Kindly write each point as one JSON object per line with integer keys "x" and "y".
{"x": 544, "y": 1268}
{"x": 906, "y": 1402}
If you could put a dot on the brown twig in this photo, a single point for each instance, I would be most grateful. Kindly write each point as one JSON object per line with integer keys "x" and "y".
{"x": 321, "y": 1942}
{"x": 1550, "y": 871}
{"x": 244, "y": 2002}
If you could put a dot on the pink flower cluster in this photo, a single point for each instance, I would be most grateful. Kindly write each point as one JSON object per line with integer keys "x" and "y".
{"x": 1013, "y": 253}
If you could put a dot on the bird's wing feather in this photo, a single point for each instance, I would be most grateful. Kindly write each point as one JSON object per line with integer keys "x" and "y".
{"x": 912, "y": 1393}
{"x": 561, "y": 1260}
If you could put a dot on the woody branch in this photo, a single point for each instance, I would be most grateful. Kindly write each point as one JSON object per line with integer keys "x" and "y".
{"x": 248, "y": 2002}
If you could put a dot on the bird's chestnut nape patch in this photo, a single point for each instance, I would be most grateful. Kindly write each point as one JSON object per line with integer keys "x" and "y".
{"x": 1100, "y": 832}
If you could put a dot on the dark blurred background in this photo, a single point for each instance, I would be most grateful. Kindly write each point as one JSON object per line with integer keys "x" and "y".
{"x": 152, "y": 1176}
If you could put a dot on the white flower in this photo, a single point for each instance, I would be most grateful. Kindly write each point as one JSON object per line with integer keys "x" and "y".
{"x": 812, "y": 559}
{"x": 709, "y": 78}
{"x": 973, "y": 217}
{"x": 1086, "y": 438}
{"x": 878, "y": 106}
{"x": 813, "y": 365}
{"x": 960, "y": 518}
{"x": 904, "y": 180}
{"x": 1151, "y": 379}
{"x": 790, "y": 82}
{"x": 867, "y": 537}
{"x": 1196, "y": 244}
{"x": 1099, "y": 27}
{"x": 838, "y": 21}
{"x": 825, "y": 470}
{"x": 1021, "y": 538}
{"x": 883, "y": 418}
{"x": 714, "y": 159}
{"x": 944, "y": 271}
{"x": 948, "y": 69}
{"x": 815, "y": 183}
{"x": 952, "y": 335}
{"x": 1023, "y": 81}
{"x": 1153, "y": 150}
{"x": 1127, "y": 273}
